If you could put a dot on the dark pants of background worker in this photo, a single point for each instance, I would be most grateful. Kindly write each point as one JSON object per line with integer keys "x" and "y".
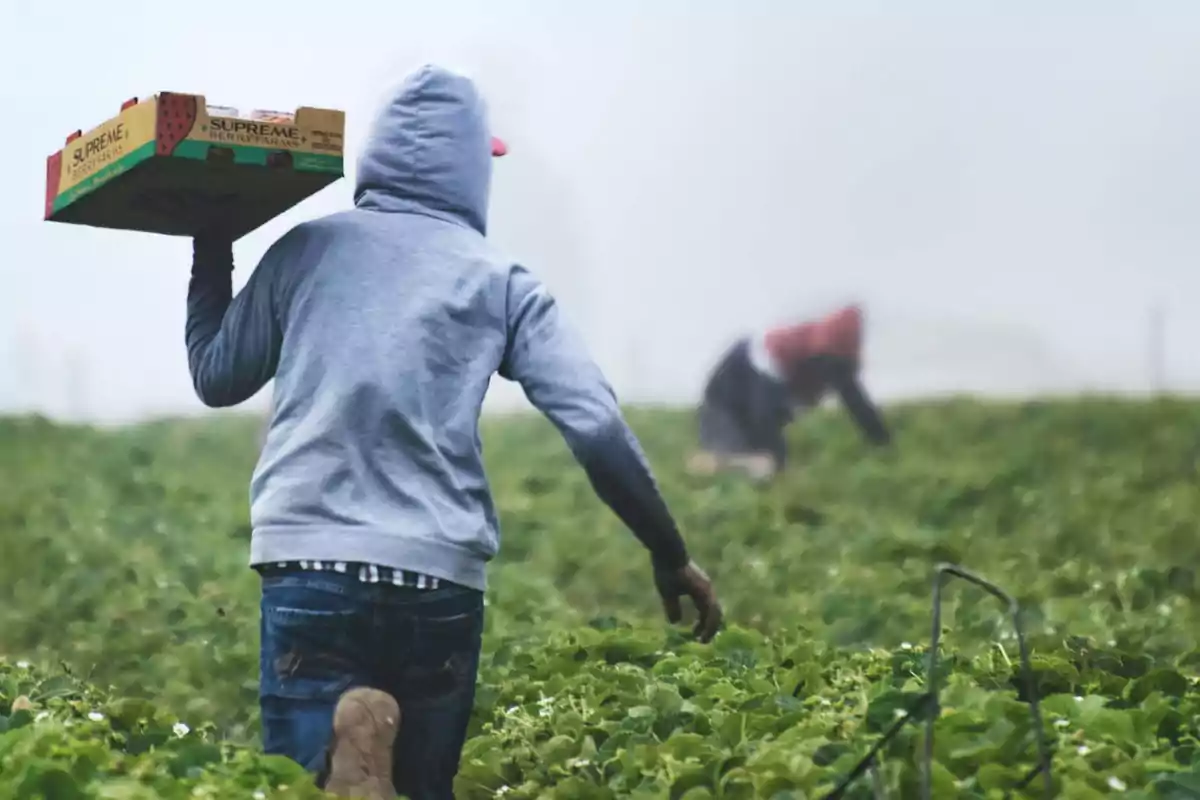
{"x": 744, "y": 411}
{"x": 325, "y": 632}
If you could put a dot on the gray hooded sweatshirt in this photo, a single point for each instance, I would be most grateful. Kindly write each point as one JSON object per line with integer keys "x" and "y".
{"x": 382, "y": 327}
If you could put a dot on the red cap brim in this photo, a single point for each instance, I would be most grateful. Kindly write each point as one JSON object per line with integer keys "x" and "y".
{"x": 499, "y": 148}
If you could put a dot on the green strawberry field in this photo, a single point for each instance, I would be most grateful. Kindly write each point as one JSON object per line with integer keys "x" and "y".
{"x": 129, "y": 617}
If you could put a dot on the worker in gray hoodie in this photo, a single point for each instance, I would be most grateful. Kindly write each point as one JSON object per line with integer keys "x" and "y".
{"x": 372, "y": 518}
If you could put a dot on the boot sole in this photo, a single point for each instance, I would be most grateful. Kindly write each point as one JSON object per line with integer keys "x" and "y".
{"x": 365, "y": 724}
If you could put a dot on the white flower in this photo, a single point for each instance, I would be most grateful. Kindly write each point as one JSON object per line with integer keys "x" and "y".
{"x": 906, "y": 645}
{"x": 503, "y": 790}
{"x": 22, "y": 665}
{"x": 260, "y": 795}
{"x": 95, "y": 716}
{"x": 41, "y": 715}
{"x": 1116, "y": 783}
{"x": 1084, "y": 750}
{"x": 180, "y": 729}
{"x": 1061, "y": 723}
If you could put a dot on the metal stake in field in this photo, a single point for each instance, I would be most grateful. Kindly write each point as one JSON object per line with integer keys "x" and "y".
{"x": 928, "y": 701}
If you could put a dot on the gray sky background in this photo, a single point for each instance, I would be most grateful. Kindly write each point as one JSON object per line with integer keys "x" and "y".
{"x": 1009, "y": 187}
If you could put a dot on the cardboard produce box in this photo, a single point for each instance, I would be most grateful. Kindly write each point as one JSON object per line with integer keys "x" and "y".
{"x": 164, "y": 164}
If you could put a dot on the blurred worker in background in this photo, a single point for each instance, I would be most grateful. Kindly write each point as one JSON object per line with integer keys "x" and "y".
{"x": 759, "y": 383}
{"x": 372, "y": 519}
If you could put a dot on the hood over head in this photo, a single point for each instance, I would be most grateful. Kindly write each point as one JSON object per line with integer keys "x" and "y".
{"x": 430, "y": 152}
{"x": 797, "y": 349}
{"x": 838, "y": 334}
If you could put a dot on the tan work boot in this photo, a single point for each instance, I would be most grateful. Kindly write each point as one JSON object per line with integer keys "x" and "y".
{"x": 703, "y": 463}
{"x": 760, "y": 467}
{"x": 365, "y": 724}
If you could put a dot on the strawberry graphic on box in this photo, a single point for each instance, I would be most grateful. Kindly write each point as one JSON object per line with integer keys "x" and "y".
{"x": 176, "y": 117}
{"x": 166, "y": 161}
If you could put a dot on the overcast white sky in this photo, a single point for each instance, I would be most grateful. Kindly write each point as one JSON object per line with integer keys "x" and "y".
{"x": 1009, "y": 186}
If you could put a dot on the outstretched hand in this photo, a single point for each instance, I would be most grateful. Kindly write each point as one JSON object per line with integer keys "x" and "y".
{"x": 690, "y": 580}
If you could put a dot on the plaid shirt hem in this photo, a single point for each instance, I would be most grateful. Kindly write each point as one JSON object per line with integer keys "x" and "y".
{"x": 367, "y": 573}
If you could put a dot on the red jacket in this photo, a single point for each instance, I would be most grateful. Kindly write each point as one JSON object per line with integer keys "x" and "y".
{"x": 801, "y": 351}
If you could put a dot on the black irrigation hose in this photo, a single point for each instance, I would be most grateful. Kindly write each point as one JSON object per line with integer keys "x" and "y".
{"x": 930, "y": 697}
{"x": 1030, "y": 775}
{"x": 867, "y": 762}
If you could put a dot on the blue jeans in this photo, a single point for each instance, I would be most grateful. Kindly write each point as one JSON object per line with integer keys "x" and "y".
{"x": 326, "y": 632}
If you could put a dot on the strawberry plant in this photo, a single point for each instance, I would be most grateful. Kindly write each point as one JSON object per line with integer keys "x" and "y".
{"x": 129, "y": 619}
